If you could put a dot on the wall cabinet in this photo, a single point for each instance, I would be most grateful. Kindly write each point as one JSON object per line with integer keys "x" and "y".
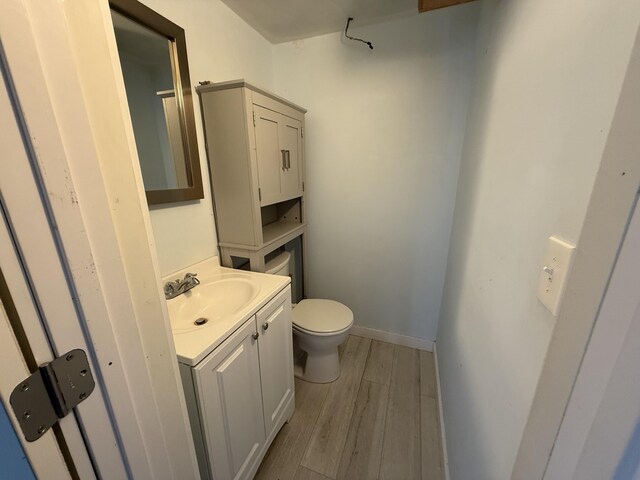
{"x": 278, "y": 156}
{"x": 255, "y": 148}
{"x": 241, "y": 394}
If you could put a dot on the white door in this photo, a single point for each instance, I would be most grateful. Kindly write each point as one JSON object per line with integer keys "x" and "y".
{"x": 39, "y": 286}
{"x": 276, "y": 358}
{"x": 19, "y": 458}
{"x": 62, "y": 252}
{"x": 228, "y": 382}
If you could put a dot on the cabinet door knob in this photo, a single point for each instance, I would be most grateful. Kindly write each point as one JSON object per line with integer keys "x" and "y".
{"x": 255, "y": 335}
{"x": 265, "y": 325}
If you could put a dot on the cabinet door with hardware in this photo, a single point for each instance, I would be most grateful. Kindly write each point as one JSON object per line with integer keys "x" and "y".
{"x": 279, "y": 156}
{"x": 228, "y": 383}
{"x": 268, "y": 154}
{"x": 291, "y": 149}
{"x": 276, "y": 358}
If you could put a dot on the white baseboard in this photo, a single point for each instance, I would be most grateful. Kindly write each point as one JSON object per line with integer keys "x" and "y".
{"x": 395, "y": 338}
{"x": 443, "y": 435}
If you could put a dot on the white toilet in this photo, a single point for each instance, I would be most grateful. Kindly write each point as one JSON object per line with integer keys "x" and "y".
{"x": 319, "y": 326}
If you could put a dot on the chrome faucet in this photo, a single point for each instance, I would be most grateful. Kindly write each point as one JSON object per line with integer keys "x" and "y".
{"x": 178, "y": 287}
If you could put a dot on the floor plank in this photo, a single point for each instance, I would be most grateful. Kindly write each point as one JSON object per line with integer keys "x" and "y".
{"x": 330, "y": 434}
{"x": 363, "y": 448}
{"x": 285, "y": 453}
{"x": 432, "y": 468}
{"x": 306, "y": 474}
{"x": 341, "y": 348}
{"x": 373, "y": 417}
{"x": 379, "y": 363}
{"x": 401, "y": 450}
{"x": 428, "y": 385}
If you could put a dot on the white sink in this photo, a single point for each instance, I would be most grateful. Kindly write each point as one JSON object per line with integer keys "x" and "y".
{"x": 225, "y": 297}
{"x": 214, "y": 300}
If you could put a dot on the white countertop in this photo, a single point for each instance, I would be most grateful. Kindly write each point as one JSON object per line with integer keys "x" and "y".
{"x": 193, "y": 346}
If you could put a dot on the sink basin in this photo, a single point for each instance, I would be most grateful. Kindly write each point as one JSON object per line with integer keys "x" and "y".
{"x": 218, "y": 298}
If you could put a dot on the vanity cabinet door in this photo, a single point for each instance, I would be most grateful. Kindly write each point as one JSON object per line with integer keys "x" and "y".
{"x": 228, "y": 384}
{"x": 276, "y": 359}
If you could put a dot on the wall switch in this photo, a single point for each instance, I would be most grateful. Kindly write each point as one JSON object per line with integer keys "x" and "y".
{"x": 555, "y": 273}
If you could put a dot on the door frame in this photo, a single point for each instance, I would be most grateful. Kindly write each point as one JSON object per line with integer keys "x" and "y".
{"x": 606, "y": 222}
{"x": 62, "y": 58}
{"x": 44, "y": 456}
{"x": 93, "y": 196}
{"x": 604, "y": 361}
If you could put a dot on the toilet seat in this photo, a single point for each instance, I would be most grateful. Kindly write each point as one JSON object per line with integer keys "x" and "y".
{"x": 319, "y": 334}
{"x": 322, "y": 317}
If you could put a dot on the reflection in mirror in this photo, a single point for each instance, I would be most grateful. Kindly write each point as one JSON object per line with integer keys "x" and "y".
{"x": 155, "y": 84}
{"x": 146, "y": 62}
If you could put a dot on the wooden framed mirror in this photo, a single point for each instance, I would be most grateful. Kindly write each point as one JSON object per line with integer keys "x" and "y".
{"x": 153, "y": 57}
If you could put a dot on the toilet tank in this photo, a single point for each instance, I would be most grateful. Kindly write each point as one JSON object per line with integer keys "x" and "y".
{"x": 279, "y": 265}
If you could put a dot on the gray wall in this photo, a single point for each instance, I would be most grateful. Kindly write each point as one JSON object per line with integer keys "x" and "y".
{"x": 220, "y": 47}
{"x": 549, "y": 75}
{"x": 383, "y": 144}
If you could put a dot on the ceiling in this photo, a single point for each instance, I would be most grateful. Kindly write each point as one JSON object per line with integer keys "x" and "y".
{"x": 285, "y": 20}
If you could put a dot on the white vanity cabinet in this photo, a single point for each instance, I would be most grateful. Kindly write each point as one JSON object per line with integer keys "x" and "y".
{"x": 275, "y": 347}
{"x": 241, "y": 394}
{"x": 228, "y": 385}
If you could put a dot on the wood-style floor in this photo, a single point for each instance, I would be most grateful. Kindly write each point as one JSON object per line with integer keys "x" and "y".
{"x": 378, "y": 420}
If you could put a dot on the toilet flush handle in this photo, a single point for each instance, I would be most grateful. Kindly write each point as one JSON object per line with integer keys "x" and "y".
{"x": 265, "y": 325}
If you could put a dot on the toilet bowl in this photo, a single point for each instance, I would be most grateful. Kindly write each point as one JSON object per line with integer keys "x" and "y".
{"x": 319, "y": 327}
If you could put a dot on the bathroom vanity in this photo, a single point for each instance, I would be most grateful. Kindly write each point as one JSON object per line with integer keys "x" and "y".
{"x": 255, "y": 147}
{"x": 237, "y": 367}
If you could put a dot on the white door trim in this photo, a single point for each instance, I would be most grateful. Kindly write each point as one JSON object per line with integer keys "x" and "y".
{"x": 118, "y": 315}
{"x": 23, "y": 306}
{"x": 36, "y": 195}
{"x": 611, "y": 204}
{"x": 44, "y": 456}
{"x": 609, "y": 337}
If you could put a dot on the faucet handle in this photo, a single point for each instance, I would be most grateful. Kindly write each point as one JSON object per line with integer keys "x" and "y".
{"x": 169, "y": 289}
{"x": 191, "y": 277}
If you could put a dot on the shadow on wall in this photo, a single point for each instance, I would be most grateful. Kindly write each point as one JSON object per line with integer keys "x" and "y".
{"x": 385, "y": 130}
{"x": 449, "y": 336}
{"x": 463, "y": 322}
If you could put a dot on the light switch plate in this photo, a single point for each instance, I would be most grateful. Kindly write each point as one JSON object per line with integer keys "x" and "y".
{"x": 554, "y": 273}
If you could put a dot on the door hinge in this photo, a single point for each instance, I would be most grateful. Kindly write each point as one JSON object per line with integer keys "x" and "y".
{"x": 303, "y": 186}
{"x": 259, "y": 194}
{"x": 51, "y": 392}
{"x": 254, "y": 118}
{"x": 302, "y": 132}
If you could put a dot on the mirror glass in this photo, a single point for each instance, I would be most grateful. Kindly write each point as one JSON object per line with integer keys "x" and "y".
{"x": 157, "y": 94}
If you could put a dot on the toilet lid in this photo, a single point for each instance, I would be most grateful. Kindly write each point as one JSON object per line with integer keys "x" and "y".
{"x": 322, "y": 316}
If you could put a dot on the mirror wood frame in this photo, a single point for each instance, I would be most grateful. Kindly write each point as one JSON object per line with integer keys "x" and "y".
{"x": 147, "y": 17}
